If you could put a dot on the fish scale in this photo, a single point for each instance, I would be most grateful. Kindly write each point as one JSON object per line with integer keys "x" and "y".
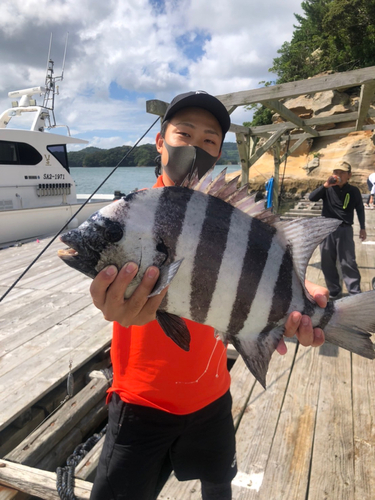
{"x": 241, "y": 274}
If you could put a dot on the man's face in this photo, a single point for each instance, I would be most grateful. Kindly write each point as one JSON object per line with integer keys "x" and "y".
{"x": 190, "y": 127}
{"x": 344, "y": 176}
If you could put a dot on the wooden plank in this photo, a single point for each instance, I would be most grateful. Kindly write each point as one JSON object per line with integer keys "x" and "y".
{"x": 292, "y": 89}
{"x": 32, "y": 449}
{"x": 243, "y": 150}
{"x": 332, "y": 468}
{"x": 96, "y": 417}
{"x": 276, "y": 176}
{"x": 335, "y": 131}
{"x": 256, "y": 430}
{"x": 289, "y": 115}
{"x": 266, "y": 146}
{"x": 43, "y": 380}
{"x": 86, "y": 469}
{"x": 288, "y": 466}
{"x": 367, "y": 94}
{"x": 37, "y": 482}
{"x": 295, "y": 146}
{"x": 59, "y": 309}
{"x": 61, "y": 333}
{"x": 364, "y": 429}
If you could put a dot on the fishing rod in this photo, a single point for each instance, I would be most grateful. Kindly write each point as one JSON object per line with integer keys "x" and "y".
{"x": 77, "y": 212}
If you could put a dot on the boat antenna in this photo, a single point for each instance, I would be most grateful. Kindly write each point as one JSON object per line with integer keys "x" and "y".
{"x": 49, "y": 54}
{"x": 50, "y": 83}
{"x": 63, "y": 64}
{"x": 75, "y": 214}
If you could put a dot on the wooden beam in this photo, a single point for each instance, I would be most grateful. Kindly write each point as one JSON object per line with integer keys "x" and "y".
{"x": 289, "y": 115}
{"x": 266, "y": 146}
{"x": 156, "y": 107}
{"x": 45, "y": 438}
{"x": 87, "y": 466}
{"x": 339, "y": 118}
{"x": 367, "y": 93}
{"x": 335, "y": 131}
{"x": 295, "y": 146}
{"x": 37, "y": 482}
{"x": 276, "y": 176}
{"x": 231, "y": 109}
{"x": 264, "y": 130}
{"x": 243, "y": 151}
{"x": 292, "y": 89}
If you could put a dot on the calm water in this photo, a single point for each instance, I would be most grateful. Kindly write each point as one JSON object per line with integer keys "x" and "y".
{"x": 125, "y": 179}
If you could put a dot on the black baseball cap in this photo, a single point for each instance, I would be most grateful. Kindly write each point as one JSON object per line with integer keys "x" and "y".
{"x": 200, "y": 99}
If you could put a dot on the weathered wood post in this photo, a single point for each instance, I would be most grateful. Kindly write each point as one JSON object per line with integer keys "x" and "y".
{"x": 276, "y": 158}
{"x": 243, "y": 145}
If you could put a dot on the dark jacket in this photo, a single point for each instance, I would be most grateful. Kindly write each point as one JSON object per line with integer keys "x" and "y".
{"x": 336, "y": 198}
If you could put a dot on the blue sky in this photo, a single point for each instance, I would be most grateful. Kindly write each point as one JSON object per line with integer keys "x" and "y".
{"x": 124, "y": 52}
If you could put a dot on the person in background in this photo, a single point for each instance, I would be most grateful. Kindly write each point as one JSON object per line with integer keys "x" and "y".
{"x": 340, "y": 199}
{"x": 371, "y": 188}
{"x": 170, "y": 409}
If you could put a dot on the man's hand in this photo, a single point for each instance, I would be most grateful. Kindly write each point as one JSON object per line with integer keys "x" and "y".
{"x": 301, "y": 326}
{"x": 362, "y": 234}
{"x": 108, "y": 291}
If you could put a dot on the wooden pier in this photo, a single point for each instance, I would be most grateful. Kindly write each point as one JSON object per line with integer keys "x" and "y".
{"x": 310, "y": 435}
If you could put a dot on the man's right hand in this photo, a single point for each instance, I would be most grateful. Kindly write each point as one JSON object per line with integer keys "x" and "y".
{"x": 108, "y": 292}
{"x": 332, "y": 181}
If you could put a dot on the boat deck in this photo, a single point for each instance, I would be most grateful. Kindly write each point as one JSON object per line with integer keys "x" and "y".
{"x": 311, "y": 434}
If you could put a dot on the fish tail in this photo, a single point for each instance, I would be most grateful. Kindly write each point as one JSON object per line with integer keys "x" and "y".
{"x": 350, "y": 322}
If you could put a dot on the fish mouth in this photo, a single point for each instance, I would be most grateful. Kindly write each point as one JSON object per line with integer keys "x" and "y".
{"x": 67, "y": 253}
{"x": 78, "y": 256}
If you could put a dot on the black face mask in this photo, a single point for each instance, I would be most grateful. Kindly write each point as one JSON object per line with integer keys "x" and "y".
{"x": 182, "y": 160}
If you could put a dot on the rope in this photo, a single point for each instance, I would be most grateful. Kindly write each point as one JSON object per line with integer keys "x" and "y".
{"x": 65, "y": 475}
{"x": 73, "y": 216}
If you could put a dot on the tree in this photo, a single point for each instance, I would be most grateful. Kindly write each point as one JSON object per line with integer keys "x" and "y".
{"x": 336, "y": 35}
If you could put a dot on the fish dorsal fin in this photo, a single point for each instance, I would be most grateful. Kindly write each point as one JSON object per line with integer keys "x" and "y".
{"x": 230, "y": 193}
{"x": 302, "y": 236}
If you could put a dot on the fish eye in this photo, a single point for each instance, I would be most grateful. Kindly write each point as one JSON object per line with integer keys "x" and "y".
{"x": 113, "y": 231}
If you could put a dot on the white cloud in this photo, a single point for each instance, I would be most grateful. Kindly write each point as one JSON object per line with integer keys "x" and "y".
{"x": 138, "y": 46}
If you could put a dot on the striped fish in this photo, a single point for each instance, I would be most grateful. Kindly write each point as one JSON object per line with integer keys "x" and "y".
{"x": 228, "y": 264}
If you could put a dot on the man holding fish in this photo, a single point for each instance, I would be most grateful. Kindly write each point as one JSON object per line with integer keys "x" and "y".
{"x": 170, "y": 409}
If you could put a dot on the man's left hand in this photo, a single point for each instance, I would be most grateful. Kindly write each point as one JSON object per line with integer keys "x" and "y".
{"x": 301, "y": 325}
{"x": 362, "y": 234}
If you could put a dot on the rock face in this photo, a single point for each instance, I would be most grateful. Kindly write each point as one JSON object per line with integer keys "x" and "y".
{"x": 312, "y": 163}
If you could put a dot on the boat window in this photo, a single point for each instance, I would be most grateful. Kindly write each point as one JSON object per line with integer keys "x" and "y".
{"x": 8, "y": 152}
{"x": 59, "y": 152}
{"x": 18, "y": 153}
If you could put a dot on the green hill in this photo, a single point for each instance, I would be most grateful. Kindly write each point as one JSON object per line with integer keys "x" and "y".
{"x": 141, "y": 156}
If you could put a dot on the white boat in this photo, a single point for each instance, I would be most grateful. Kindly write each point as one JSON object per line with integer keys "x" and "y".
{"x": 37, "y": 193}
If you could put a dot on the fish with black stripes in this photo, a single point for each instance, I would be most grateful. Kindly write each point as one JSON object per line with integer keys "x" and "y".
{"x": 228, "y": 263}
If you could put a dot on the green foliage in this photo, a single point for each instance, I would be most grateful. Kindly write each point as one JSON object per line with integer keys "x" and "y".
{"x": 141, "y": 156}
{"x": 336, "y": 35}
{"x": 261, "y": 116}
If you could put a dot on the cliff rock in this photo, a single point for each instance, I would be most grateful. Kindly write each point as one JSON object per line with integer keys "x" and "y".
{"x": 312, "y": 163}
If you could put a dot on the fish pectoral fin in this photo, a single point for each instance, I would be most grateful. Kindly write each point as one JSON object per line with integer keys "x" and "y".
{"x": 257, "y": 352}
{"x": 175, "y": 328}
{"x": 167, "y": 273}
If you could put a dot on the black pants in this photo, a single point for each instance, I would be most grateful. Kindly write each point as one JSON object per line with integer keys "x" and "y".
{"x": 143, "y": 445}
{"x": 340, "y": 245}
